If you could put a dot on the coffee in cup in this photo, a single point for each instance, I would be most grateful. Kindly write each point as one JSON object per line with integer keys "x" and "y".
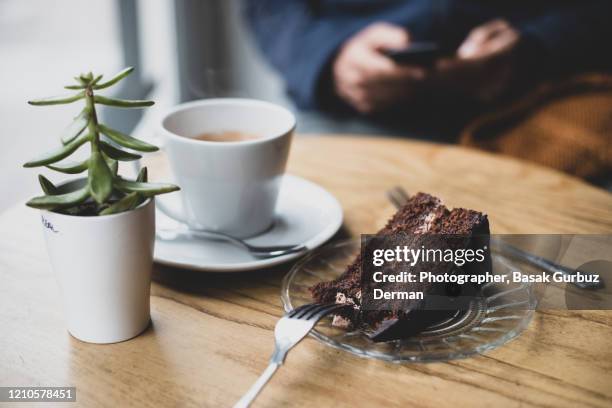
{"x": 226, "y": 136}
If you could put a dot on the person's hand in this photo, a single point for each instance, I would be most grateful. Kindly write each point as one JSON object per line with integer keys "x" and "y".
{"x": 484, "y": 65}
{"x": 489, "y": 40}
{"x": 366, "y": 78}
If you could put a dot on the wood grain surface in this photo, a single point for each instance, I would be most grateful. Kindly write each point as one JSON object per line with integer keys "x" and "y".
{"x": 211, "y": 334}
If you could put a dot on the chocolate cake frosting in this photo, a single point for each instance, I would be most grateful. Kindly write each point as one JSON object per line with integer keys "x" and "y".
{"x": 422, "y": 216}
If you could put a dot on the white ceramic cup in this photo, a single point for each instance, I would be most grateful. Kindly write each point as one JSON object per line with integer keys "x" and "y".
{"x": 228, "y": 187}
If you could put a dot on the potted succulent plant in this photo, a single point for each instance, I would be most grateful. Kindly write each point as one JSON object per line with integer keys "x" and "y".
{"x": 99, "y": 229}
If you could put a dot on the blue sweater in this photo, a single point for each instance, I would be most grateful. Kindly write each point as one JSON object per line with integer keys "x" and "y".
{"x": 301, "y": 37}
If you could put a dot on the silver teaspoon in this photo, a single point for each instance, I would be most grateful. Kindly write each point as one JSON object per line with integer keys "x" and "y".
{"x": 258, "y": 251}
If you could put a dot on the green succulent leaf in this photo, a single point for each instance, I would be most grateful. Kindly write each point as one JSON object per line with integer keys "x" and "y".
{"x": 121, "y": 103}
{"x": 118, "y": 77}
{"x": 70, "y": 167}
{"x": 96, "y": 80}
{"x": 76, "y": 127}
{"x": 130, "y": 200}
{"x": 47, "y": 186}
{"x": 81, "y": 81}
{"x": 58, "y": 100}
{"x": 146, "y": 189}
{"x": 126, "y": 140}
{"x": 127, "y": 203}
{"x": 55, "y": 202}
{"x": 117, "y": 154}
{"x": 100, "y": 178}
{"x": 74, "y": 87}
{"x": 143, "y": 175}
{"x": 113, "y": 165}
{"x": 57, "y": 155}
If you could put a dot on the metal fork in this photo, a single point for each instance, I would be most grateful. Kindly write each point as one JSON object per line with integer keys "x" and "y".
{"x": 398, "y": 196}
{"x": 289, "y": 331}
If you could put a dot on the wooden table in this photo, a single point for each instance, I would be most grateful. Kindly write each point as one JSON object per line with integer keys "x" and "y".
{"x": 212, "y": 333}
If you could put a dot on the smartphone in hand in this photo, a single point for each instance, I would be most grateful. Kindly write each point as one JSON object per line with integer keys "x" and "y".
{"x": 418, "y": 53}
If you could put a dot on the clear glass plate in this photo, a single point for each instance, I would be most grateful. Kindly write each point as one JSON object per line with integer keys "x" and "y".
{"x": 500, "y": 314}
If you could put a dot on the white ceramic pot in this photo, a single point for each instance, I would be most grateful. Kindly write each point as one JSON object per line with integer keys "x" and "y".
{"x": 103, "y": 266}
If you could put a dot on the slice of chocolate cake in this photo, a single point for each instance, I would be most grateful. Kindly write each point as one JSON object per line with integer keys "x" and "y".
{"x": 421, "y": 217}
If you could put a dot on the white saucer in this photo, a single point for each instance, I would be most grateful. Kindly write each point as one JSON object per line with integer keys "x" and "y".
{"x": 306, "y": 213}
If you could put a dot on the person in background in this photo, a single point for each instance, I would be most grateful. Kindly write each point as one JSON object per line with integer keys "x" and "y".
{"x": 331, "y": 52}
